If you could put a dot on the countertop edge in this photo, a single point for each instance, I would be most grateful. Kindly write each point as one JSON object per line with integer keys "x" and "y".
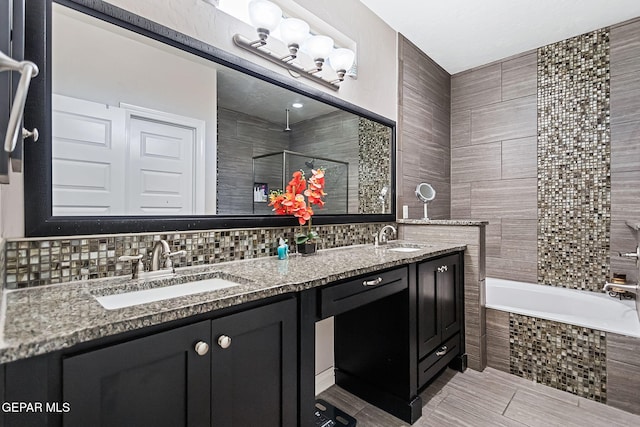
{"x": 450, "y": 222}
{"x": 22, "y": 349}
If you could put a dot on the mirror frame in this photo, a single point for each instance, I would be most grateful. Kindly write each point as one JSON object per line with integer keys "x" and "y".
{"x": 38, "y": 217}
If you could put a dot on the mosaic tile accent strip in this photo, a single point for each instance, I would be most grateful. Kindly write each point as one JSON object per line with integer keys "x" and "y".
{"x": 374, "y": 167}
{"x": 574, "y": 159}
{"x": 566, "y": 357}
{"x": 37, "y": 262}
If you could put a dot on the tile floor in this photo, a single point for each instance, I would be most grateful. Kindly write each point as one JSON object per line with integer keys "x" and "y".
{"x": 489, "y": 398}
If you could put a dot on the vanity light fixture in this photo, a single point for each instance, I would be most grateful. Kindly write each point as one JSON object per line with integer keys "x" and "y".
{"x": 294, "y": 32}
{"x": 266, "y": 16}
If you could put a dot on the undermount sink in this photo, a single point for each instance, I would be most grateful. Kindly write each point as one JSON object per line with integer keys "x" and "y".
{"x": 145, "y": 296}
{"x": 403, "y": 249}
{"x": 401, "y": 246}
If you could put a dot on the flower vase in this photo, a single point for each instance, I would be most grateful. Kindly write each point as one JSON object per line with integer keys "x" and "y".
{"x": 307, "y": 248}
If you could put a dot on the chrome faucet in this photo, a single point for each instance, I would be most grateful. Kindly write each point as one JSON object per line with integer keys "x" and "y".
{"x": 381, "y": 237}
{"x": 633, "y": 255}
{"x": 611, "y": 287}
{"x": 161, "y": 263}
{"x": 136, "y": 267}
{"x": 161, "y": 256}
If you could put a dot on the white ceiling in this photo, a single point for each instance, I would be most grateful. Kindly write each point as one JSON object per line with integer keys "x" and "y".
{"x": 462, "y": 34}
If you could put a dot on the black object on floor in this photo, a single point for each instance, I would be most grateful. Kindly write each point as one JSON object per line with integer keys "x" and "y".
{"x": 327, "y": 415}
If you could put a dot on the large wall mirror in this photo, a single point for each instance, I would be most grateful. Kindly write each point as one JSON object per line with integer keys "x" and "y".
{"x": 146, "y": 129}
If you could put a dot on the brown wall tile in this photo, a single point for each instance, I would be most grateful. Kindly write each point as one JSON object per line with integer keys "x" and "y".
{"x": 475, "y": 88}
{"x": 625, "y": 48}
{"x": 498, "y": 339}
{"x": 424, "y": 132}
{"x": 511, "y": 119}
{"x": 519, "y": 158}
{"x": 475, "y": 163}
{"x": 515, "y": 198}
{"x": 623, "y": 383}
{"x": 519, "y": 76}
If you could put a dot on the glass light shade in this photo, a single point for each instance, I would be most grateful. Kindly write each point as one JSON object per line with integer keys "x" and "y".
{"x": 341, "y": 59}
{"x": 319, "y": 47}
{"x": 264, "y": 14}
{"x": 293, "y": 31}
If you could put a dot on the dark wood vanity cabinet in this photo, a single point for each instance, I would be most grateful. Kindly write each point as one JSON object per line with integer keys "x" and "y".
{"x": 237, "y": 370}
{"x": 395, "y": 330}
{"x": 158, "y": 380}
{"x": 440, "y": 314}
{"x": 254, "y": 379}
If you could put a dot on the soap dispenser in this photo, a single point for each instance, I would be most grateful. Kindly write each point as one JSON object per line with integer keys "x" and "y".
{"x": 283, "y": 249}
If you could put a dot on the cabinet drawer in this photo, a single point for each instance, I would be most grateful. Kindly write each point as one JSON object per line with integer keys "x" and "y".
{"x": 438, "y": 359}
{"x": 345, "y": 296}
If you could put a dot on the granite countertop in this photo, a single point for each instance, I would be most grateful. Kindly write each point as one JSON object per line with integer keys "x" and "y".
{"x": 40, "y": 320}
{"x": 463, "y": 222}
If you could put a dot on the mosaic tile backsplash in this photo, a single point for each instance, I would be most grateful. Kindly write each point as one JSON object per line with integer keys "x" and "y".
{"x": 37, "y": 262}
{"x": 374, "y": 167}
{"x": 559, "y": 355}
{"x": 574, "y": 159}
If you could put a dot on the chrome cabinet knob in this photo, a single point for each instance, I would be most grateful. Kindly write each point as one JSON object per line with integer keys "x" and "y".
{"x": 201, "y": 348}
{"x": 224, "y": 341}
{"x": 443, "y": 269}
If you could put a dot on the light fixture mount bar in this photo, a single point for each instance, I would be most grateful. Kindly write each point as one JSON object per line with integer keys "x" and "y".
{"x": 247, "y": 45}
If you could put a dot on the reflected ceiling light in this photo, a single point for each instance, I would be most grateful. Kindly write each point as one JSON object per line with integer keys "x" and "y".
{"x": 266, "y": 16}
{"x": 297, "y": 105}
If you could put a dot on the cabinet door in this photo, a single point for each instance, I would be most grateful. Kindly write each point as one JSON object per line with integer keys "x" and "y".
{"x": 449, "y": 296}
{"x": 254, "y": 367}
{"x": 439, "y": 299}
{"x": 428, "y": 308}
{"x": 158, "y": 380}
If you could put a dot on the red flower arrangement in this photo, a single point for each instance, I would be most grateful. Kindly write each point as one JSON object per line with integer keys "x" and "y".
{"x": 292, "y": 200}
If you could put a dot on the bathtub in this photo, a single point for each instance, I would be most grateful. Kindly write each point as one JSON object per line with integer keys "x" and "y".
{"x": 581, "y": 308}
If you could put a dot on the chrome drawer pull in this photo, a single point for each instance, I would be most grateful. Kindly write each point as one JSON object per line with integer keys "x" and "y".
{"x": 443, "y": 269}
{"x": 373, "y": 282}
{"x": 442, "y": 351}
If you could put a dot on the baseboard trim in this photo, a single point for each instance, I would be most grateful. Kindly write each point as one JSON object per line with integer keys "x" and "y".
{"x": 324, "y": 380}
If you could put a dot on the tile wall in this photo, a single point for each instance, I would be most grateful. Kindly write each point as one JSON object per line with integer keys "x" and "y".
{"x": 424, "y": 150}
{"x": 566, "y": 357}
{"x": 240, "y": 137}
{"x": 625, "y": 144}
{"x": 598, "y": 365}
{"x": 333, "y": 135}
{"x": 336, "y": 136}
{"x": 574, "y": 157}
{"x": 374, "y": 167}
{"x": 44, "y": 261}
{"x": 493, "y": 160}
{"x": 557, "y": 201}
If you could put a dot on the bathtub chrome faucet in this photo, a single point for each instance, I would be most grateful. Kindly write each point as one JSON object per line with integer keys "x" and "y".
{"x": 611, "y": 287}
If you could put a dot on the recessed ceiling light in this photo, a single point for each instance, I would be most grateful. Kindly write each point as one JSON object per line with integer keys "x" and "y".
{"x": 297, "y": 105}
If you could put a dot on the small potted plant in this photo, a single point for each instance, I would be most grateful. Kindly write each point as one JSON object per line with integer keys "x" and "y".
{"x": 292, "y": 202}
